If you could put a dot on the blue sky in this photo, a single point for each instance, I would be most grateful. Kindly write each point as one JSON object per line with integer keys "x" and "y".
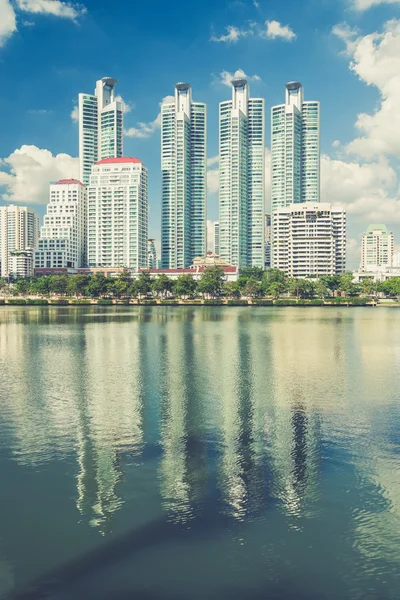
{"x": 345, "y": 52}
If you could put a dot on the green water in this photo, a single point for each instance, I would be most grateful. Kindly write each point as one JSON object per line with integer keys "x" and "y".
{"x": 203, "y": 452}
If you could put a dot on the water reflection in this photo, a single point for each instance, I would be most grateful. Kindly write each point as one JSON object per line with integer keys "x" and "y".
{"x": 244, "y": 415}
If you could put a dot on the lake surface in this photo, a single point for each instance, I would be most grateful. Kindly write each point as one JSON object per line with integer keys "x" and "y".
{"x": 189, "y": 453}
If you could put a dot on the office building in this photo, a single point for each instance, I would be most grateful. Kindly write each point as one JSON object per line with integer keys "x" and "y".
{"x": 310, "y": 240}
{"x": 295, "y": 149}
{"x": 62, "y": 236}
{"x": 19, "y": 232}
{"x": 184, "y": 179}
{"x": 268, "y": 239}
{"x": 151, "y": 254}
{"x": 117, "y": 214}
{"x": 377, "y": 248}
{"x": 242, "y": 178}
{"x": 101, "y": 126}
{"x": 216, "y": 238}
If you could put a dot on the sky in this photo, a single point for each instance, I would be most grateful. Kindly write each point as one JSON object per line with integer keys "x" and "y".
{"x": 345, "y": 52}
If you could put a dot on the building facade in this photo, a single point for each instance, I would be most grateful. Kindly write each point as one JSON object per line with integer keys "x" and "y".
{"x": 19, "y": 232}
{"x": 62, "y": 236}
{"x": 268, "y": 240}
{"x": 295, "y": 149}
{"x": 310, "y": 239}
{"x": 117, "y": 214}
{"x": 377, "y": 248}
{"x": 242, "y": 177}
{"x": 184, "y": 179}
{"x": 101, "y": 126}
{"x": 216, "y": 238}
{"x": 151, "y": 254}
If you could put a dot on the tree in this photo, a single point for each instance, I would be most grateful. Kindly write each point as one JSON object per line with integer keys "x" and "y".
{"x": 252, "y": 288}
{"x": 251, "y": 273}
{"x": 162, "y": 285}
{"x": 391, "y": 287}
{"x": 320, "y": 289}
{"x": 184, "y": 286}
{"x": 3, "y": 285}
{"x": 302, "y": 288}
{"x": 231, "y": 289}
{"x": 274, "y": 276}
{"x": 22, "y": 287}
{"x": 77, "y": 284}
{"x": 143, "y": 284}
{"x": 369, "y": 287}
{"x": 40, "y": 286}
{"x": 211, "y": 281}
{"x": 275, "y": 289}
{"x": 331, "y": 282}
{"x": 347, "y": 286}
{"x": 58, "y": 284}
{"x": 97, "y": 286}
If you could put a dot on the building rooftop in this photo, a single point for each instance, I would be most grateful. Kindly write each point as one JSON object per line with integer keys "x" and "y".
{"x": 122, "y": 159}
{"x": 68, "y": 182}
{"x": 377, "y": 227}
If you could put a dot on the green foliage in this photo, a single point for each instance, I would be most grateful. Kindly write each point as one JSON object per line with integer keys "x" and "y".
{"x": 79, "y": 302}
{"x": 274, "y": 276}
{"x": 252, "y": 288}
{"x": 149, "y": 302}
{"x": 60, "y": 302}
{"x": 184, "y": 286}
{"x": 302, "y": 288}
{"x": 262, "y": 303}
{"x": 105, "y": 302}
{"x": 2, "y": 301}
{"x": 213, "y": 303}
{"x": 251, "y": 273}
{"x": 162, "y": 285}
{"x": 390, "y": 287}
{"x": 237, "y": 303}
{"x": 170, "y": 302}
{"x": 211, "y": 282}
{"x": 231, "y": 289}
{"x": 285, "y": 302}
{"x": 37, "y": 301}
{"x": 17, "y": 301}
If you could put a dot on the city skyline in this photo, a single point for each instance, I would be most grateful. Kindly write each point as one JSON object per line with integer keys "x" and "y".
{"x": 359, "y": 165}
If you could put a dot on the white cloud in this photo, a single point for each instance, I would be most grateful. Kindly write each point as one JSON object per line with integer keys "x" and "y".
{"x": 75, "y": 114}
{"x": 67, "y": 10}
{"x": 26, "y": 174}
{"x": 8, "y": 23}
{"x": 233, "y": 34}
{"x": 375, "y": 58}
{"x": 126, "y": 108}
{"x": 366, "y": 4}
{"x": 211, "y": 162}
{"x": 226, "y": 78}
{"x": 146, "y": 130}
{"x": 277, "y": 30}
{"x": 353, "y": 253}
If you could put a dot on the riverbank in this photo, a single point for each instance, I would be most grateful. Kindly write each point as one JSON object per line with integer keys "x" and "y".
{"x": 281, "y": 302}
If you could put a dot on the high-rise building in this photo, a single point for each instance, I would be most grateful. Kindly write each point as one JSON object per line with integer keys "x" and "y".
{"x": 19, "y": 232}
{"x": 117, "y": 214}
{"x": 310, "y": 239}
{"x": 242, "y": 177}
{"x": 268, "y": 238}
{"x": 101, "y": 126}
{"x": 184, "y": 179}
{"x": 377, "y": 248}
{"x": 151, "y": 254}
{"x": 295, "y": 149}
{"x": 216, "y": 237}
{"x": 62, "y": 236}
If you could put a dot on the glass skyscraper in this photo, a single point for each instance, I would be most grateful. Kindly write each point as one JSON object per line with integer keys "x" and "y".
{"x": 242, "y": 178}
{"x": 101, "y": 126}
{"x": 295, "y": 148}
{"x": 184, "y": 179}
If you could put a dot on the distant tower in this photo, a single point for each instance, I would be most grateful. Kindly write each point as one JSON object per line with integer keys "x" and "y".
{"x": 295, "y": 148}
{"x": 19, "y": 233}
{"x": 184, "y": 179}
{"x": 242, "y": 177}
{"x": 377, "y": 248}
{"x": 101, "y": 126}
{"x": 151, "y": 255}
{"x": 216, "y": 237}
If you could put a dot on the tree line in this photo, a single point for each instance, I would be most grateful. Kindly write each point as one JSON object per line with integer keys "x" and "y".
{"x": 252, "y": 283}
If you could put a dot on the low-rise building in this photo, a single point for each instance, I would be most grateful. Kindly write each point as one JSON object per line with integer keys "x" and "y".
{"x": 231, "y": 273}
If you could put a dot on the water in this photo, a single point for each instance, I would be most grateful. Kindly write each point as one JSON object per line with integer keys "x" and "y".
{"x": 189, "y": 453}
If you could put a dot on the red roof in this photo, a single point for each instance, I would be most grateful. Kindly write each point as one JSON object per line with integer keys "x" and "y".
{"x": 68, "y": 181}
{"x": 123, "y": 159}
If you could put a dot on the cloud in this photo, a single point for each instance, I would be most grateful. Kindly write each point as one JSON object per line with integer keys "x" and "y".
{"x": 225, "y": 78}
{"x": 146, "y": 130}
{"x": 353, "y": 253}
{"x": 126, "y": 108}
{"x": 375, "y": 59}
{"x": 270, "y": 30}
{"x": 75, "y": 114}
{"x": 8, "y": 22}
{"x": 213, "y": 175}
{"x": 66, "y": 10}
{"x": 276, "y": 30}
{"x": 26, "y": 174}
{"x": 366, "y": 4}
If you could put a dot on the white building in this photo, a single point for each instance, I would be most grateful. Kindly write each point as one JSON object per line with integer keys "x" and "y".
{"x": 151, "y": 254}
{"x": 377, "y": 248}
{"x": 216, "y": 238}
{"x": 101, "y": 126}
{"x": 19, "y": 232}
{"x": 62, "y": 236}
{"x": 184, "y": 179}
{"x": 242, "y": 177}
{"x": 310, "y": 239}
{"x": 117, "y": 214}
{"x": 295, "y": 149}
{"x": 268, "y": 240}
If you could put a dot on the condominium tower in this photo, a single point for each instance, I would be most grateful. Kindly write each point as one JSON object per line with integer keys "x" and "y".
{"x": 377, "y": 248}
{"x": 62, "y": 236}
{"x": 295, "y": 149}
{"x": 184, "y": 179}
{"x": 310, "y": 239}
{"x": 117, "y": 214}
{"x": 242, "y": 177}
{"x": 19, "y": 232}
{"x": 101, "y": 127}
{"x": 216, "y": 237}
{"x": 151, "y": 254}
